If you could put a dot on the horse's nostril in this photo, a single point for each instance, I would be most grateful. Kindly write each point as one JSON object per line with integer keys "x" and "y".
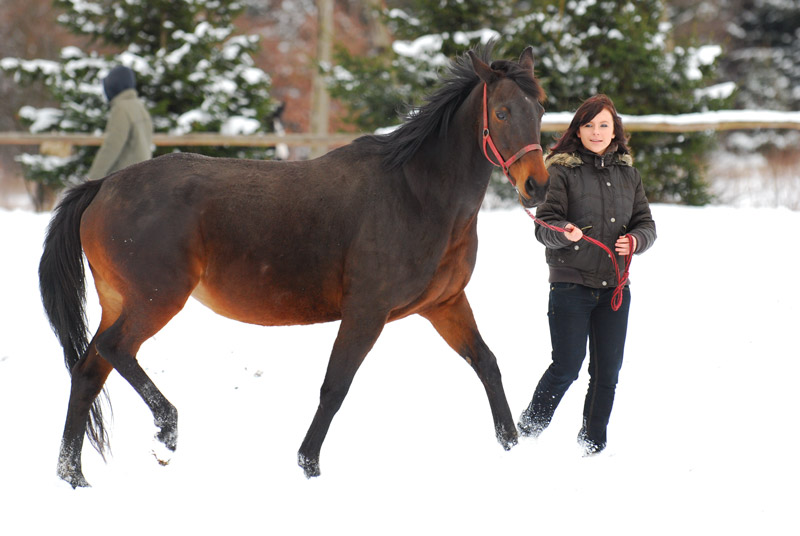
{"x": 530, "y": 187}
{"x": 536, "y": 193}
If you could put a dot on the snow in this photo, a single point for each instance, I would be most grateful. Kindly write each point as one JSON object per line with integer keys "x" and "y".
{"x": 42, "y": 119}
{"x": 702, "y": 438}
{"x": 779, "y": 119}
{"x": 46, "y": 67}
{"x": 255, "y": 76}
{"x": 238, "y": 125}
{"x": 484, "y": 35}
{"x": 45, "y": 162}
{"x": 711, "y": 119}
{"x": 186, "y": 121}
{"x": 426, "y": 46}
{"x": 702, "y": 56}
{"x": 429, "y": 46}
{"x": 176, "y": 56}
{"x": 717, "y": 91}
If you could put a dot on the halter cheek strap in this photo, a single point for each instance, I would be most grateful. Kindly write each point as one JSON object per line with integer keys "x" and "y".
{"x": 487, "y": 140}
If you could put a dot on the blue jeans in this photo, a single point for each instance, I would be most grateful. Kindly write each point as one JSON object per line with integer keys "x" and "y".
{"x": 577, "y": 314}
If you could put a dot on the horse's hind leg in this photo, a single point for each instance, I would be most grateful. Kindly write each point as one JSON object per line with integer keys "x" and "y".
{"x": 119, "y": 345}
{"x": 355, "y": 339}
{"x": 456, "y": 324}
{"x": 114, "y": 347}
{"x": 88, "y": 377}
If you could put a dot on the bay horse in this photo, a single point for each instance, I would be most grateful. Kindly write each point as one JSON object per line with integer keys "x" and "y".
{"x": 368, "y": 233}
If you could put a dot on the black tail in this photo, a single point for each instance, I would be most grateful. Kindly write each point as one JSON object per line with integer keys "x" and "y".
{"x": 62, "y": 284}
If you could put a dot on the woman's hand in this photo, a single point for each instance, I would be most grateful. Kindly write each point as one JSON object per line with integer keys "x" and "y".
{"x": 573, "y": 233}
{"x": 624, "y": 246}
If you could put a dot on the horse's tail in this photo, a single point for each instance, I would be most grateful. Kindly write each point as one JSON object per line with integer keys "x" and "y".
{"x": 62, "y": 284}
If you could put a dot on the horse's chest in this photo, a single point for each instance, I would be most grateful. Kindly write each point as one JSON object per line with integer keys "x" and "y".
{"x": 445, "y": 279}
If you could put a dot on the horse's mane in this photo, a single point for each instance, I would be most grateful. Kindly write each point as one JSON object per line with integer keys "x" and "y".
{"x": 434, "y": 116}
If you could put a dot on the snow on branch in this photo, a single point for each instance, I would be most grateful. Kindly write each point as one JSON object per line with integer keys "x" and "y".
{"x": 692, "y": 122}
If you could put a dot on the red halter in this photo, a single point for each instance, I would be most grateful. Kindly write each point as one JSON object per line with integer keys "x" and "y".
{"x": 487, "y": 139}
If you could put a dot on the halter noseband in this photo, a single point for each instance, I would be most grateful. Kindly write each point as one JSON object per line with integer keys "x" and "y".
{"x": 487, "y": 139}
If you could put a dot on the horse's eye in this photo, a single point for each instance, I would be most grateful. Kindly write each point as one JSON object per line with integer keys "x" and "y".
{"x": 500, "y": 115}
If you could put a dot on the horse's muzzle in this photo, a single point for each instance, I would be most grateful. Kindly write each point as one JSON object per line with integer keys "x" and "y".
{"x": 536, "y": 193}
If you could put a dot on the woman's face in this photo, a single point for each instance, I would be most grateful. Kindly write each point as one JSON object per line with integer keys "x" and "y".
{"x": 596, "y": 135}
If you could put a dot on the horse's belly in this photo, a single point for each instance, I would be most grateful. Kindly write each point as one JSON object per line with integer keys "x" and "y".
{"x": 275, "y": 308}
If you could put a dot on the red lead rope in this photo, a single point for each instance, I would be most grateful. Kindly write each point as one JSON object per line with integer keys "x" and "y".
{"x": 622, "y": 279}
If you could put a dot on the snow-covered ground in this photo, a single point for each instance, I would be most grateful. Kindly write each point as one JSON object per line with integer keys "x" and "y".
{"x": 703, "y": 438}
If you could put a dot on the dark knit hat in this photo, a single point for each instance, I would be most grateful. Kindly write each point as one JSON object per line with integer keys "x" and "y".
{"x": 118, "y": 80}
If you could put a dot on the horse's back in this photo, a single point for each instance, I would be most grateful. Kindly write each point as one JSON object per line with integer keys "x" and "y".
{"x": 255, "y": 241}
{"x": 236, "y": 197}
{"x": 273, "y": 243}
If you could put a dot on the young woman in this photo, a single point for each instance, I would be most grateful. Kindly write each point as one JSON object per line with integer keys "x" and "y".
{"x": 594, "y": 191}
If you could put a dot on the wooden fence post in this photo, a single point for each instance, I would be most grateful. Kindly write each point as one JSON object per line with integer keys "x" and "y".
{"x": 44, "y": 196}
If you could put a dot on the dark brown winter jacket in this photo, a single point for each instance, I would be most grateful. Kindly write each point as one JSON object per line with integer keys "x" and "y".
{"x": 604, "y": 196}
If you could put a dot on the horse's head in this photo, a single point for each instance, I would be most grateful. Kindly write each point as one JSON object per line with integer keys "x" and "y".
{"x": 512, "y": 122}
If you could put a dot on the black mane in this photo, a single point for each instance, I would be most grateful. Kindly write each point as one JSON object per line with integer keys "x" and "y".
{"x": 433, "y": 118}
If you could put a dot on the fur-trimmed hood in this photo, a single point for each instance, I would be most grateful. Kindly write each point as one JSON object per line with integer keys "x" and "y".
{"x": 572, "y": 160}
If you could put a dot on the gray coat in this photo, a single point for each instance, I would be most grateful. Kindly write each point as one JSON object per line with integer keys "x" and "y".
{"x": 128, "y": 136}
{"x": 603, "y": 195}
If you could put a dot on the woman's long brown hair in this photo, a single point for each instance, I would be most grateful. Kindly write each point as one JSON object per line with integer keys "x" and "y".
{"x": 569, "y": 142}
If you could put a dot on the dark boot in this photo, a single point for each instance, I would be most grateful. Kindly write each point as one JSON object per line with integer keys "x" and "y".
{"x": 539, "y": 413}
{"x": 530, "y": 424}
{"x": 592, "y": 439}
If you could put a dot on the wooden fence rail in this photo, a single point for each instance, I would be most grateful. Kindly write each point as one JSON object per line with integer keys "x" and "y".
{"x": 61, "y": 144}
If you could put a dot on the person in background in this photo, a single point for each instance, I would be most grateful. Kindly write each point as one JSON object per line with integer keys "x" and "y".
{"x": 129, "y": 130}
{"x": 594, "y": 191}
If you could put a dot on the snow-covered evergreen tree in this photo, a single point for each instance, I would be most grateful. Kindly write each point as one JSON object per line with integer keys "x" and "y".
{"x": 763, "y": 53}
{"x": 193, "y": 73}
{"x": 620, "y": 48}
{"x": 582, "y": 47}
{"x": 427, "y": 35}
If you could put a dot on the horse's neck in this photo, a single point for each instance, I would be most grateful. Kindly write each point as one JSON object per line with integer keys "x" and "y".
{"x": 452, "y": 171}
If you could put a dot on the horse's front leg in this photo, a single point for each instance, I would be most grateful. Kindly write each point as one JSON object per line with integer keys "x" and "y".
{"x": 456, "y": 324}
{"x": 356, "y": 337}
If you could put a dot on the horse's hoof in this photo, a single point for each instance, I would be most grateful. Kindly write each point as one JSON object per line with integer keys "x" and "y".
{"x": 74, "y": 480}
{"x": 506, "y": 438}
{"x": 71, "y": 473}
{"x": 310, "y": 465}
{"x": 168, "y": 438}
{"x": 168, "y": 430}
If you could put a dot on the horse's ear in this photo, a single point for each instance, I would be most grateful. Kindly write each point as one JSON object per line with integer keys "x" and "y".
{"x": 483, "y": 70}
{"x": 526, "y": 59}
